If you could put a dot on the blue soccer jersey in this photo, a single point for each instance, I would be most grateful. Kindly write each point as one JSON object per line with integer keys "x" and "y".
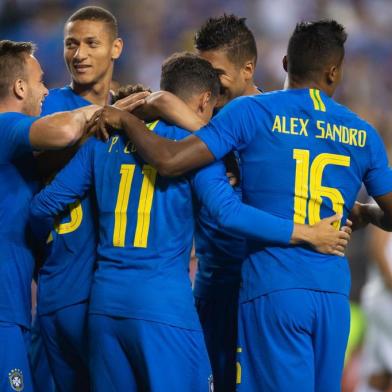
{"x": 17, "y": 189}
{"x": 146, "y": 227}
{"x": 66, "y": 276}
{"x": 219, "y": 255}
{"x": 303, "y": 157}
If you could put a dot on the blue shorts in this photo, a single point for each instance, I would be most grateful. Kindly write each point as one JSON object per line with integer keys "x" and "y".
{"x": 64, "y": 333}
{"x": 41, "y": 373}
{"x": 292, "y": 340}
{"x": 218, "y": 318}
{"x": 15, "y": 372}
{"x": 137, "y": 355}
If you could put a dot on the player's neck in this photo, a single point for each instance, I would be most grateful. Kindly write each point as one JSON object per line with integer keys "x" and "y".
{"x": 252, "y": 90}
{"x": 300, "y": 84}
{"x": 9, "y": 105}
{"x": 97, "y": 93}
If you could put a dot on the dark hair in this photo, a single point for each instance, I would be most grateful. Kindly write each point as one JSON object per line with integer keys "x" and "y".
{"x": 12, "y": 63}
{"x": 185, "y": 74}
{"x": 313, "y": 45}
{"x": 228, "y": 33}
{"x": 96, "y": 14}
{"x": 129, "y": 89}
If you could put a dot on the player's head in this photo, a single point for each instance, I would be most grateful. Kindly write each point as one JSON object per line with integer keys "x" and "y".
{"x": 228, "y": 44}
{"x": 21, "y": 77}
{"x": 91, "y": 45}
{"x": 315, "y": 55}
{"x": 192, "y": 79}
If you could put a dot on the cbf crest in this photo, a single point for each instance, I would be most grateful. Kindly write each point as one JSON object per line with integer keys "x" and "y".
{"x": 16, "y": 379}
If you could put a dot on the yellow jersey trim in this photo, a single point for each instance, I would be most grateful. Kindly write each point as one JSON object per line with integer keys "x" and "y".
{"x": 151, "y": 126}
{"x": 318, "y": 103}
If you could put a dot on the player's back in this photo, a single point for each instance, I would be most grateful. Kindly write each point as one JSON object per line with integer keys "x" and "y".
{"x": 146, "y": 230}
{"x": 305, "y": 160}
{"x": 66, "y": 276}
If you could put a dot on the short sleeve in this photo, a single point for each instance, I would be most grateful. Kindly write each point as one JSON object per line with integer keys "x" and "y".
{"x": 15, "y": 134}
{"x": 233, "y": 128}
{"x": 378, "y": 178}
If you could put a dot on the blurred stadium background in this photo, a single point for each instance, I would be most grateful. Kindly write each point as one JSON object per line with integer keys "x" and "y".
{"x": 153, "y": 29}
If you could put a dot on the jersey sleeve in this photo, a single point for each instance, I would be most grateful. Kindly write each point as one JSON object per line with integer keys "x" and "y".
{"x": 69, "y": 185}
{"x": 213, "y": 190}
{"x": 233, "y": 128}
{"x": 378, "y": 178}
{"x": 15, "y": 134}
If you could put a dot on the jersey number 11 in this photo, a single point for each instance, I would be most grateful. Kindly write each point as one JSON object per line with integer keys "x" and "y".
{"x": 144, "y": 207}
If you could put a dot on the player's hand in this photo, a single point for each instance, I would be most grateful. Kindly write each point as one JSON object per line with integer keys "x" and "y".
{"x": 105, "y": 121}
{"x": 133, "y": 101}
{"x": 358, "y": 216}
{"x": 326, "y": 239}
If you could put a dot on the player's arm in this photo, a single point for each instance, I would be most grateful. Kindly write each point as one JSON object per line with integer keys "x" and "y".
{"x": 213, "y": 190}
{"x": 379, "y": 215}
{"x": 174, "y": 110}
{"x": 378, "y": 183}
{"x": 170, "y": 158}
{"x": 61, "y": 129}
{"x": 50, "y": 162}
{"x": 228, "y": 130}
{"x": 69, "y": 185}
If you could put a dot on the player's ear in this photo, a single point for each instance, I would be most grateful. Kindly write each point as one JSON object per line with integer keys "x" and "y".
{"x": 204, "y": 100}
{"x": 284, "y": 63}
{"x": 333, "y": 74}
{"x": 248, "y": 70}
{"x": 20, "y": 88}
{"x": 117, "y": 48}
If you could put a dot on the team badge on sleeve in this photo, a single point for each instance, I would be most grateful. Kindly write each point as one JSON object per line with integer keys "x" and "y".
{"x": 16, "y": 379}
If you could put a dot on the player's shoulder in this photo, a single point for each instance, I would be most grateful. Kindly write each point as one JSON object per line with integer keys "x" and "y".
{"x": 8, "y": 119}
{"x": 56, "y": 99}
{"x": 279, "y": 97}
{"x": 57, "y": 92}
{"x": 7, "y": 116}
{"x": 15, "y": 131}
{"x": 169, "y": 131}
{"x": 347, "y": 113}
{"x": 62, "y": 98}
{"x": 353, "y": 121}
{"x": 248, "y": 101}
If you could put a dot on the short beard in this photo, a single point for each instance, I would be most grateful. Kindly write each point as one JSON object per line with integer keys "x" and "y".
{"x": 30, "y": 107}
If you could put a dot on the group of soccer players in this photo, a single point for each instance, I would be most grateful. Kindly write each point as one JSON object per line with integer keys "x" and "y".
{"x": 113, "y": 230}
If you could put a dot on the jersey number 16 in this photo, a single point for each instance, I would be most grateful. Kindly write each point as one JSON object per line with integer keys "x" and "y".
{"x": 303, "y": 176}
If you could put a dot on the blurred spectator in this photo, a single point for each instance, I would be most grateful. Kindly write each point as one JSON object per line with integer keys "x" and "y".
{"x": 376, "y": 360}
